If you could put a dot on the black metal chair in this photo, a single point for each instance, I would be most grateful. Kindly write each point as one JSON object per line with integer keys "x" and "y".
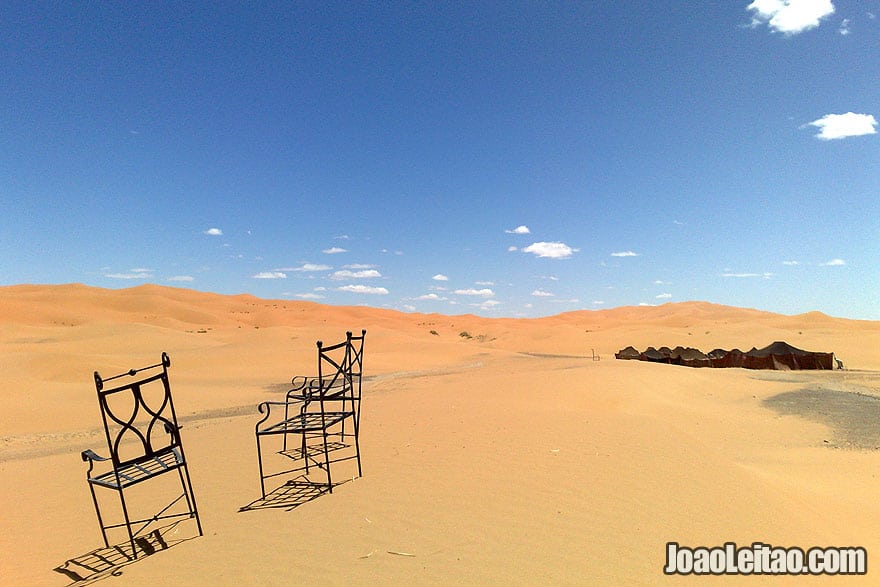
{"x": 143, "y": 438}
{"x": 321, "y": 412}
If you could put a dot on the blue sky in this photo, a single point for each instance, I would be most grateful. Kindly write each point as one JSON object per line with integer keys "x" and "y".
{"x": 502, "y": 159}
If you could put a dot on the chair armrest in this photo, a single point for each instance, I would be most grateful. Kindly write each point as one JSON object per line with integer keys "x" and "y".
{"x": 171, "y": 428}
{"x": 301, "y": 387}
{"x": 266, "y": 409}
{"x": 299, "y": 382}
{"x": 306, "y": 388}
{"x": 90, "y": 455}
{"x": 339, "y": 390}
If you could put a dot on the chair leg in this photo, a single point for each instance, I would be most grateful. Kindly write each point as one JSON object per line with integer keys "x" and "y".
{"x": 357, "y": 446}
{"x": 260, "y": 464}
{"x": 327, "y": 463}
{"x": 190, "y": 497}
{"x": 98, "y": 512}
{"x": 305, "y": 453}
{"x": 127, "y": 523}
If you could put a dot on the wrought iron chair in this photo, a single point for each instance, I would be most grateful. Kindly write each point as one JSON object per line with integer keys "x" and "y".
{"x": 321, "y": 412}
{"x": 143, "y": 438}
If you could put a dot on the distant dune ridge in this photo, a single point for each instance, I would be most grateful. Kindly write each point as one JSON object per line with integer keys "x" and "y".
{"x": 494, "y": 450}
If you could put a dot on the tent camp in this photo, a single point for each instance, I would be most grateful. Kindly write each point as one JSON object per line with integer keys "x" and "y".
{"x": 779, "y": 356}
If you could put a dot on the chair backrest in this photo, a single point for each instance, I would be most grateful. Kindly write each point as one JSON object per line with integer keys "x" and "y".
{"x": 356, "y": 360}
{"x": 340, "y": 367}
{"x": 139, "y": 417}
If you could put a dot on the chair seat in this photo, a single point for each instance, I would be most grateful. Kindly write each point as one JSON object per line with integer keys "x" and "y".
{"x": 312, "y": 422}
{"x": 135, "y": 472}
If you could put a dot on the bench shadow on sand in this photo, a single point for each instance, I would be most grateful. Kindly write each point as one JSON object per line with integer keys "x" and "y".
{"x": 849, "y": 404}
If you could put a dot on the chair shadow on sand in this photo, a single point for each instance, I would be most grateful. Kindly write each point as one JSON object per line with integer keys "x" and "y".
{"x": 299, "y": 490}
{"x": 291, "y": 495}
{"x": 108, "y": 561}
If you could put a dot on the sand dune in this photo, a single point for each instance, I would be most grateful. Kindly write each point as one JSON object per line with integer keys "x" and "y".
{"x": 495, "y": 451}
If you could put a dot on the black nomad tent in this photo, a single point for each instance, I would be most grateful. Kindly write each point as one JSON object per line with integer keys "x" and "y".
{"x": 784, "y": 357}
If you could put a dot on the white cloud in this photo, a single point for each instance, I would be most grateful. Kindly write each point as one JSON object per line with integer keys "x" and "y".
{"x": 598, "y": 302}
{"x": 790, "y": 17}
{"x": 511, "y": 249}
{"x": 540, "y": 293}
{"x": 363, "y": 289}
{"x": 360, "y": 266}
{"x": 844, "y": 27}
{"x": 791, "y": 263}
{"x": 551, "y": 250}
{"x": 834, "y": 263}
{"x": 310, "y": 296}
{"x": 664, "y": 296}
{"x": 660, "y": 282}
{"x": 334, "y": 251}
{"x": 132, "y": 274}
{"x": 625, "y": 254}
{"x": 747, "y": 275}
{"x": 431, "y": 296}
{"x": 364, "y": 274}
{"x": 519, "y": 230}
{"x": 181, "y": 278}
{"x": 213, "y": 232}
{"x": 440, "y": 277}
{"x": 487, "y": 305}
{"x": 841, "y": 126}
{"x": 485, "y": 282}
{"x": 270, "y": 275}
{"x": 308, "y": 267}
{"x": 486, "y": 293}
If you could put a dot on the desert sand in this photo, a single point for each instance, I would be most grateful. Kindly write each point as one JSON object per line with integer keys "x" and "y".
{"x": 504, "y": 456}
